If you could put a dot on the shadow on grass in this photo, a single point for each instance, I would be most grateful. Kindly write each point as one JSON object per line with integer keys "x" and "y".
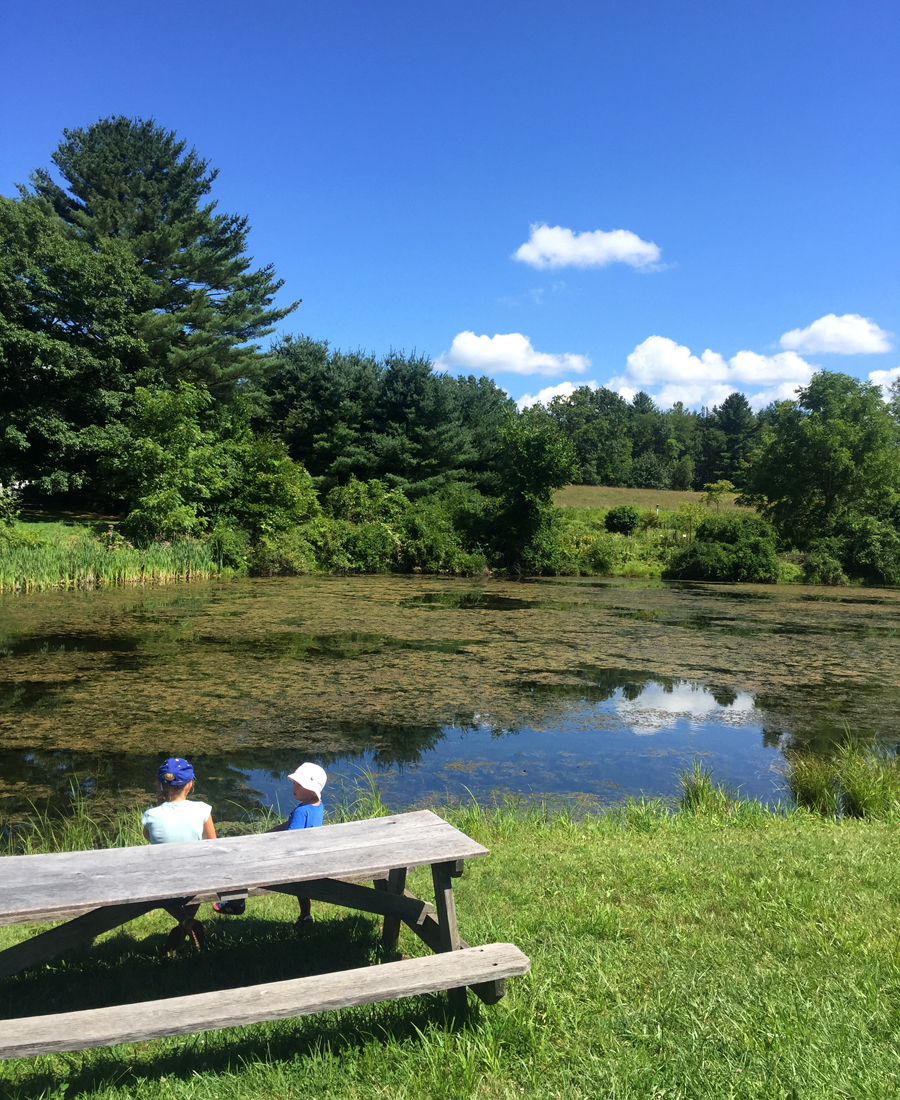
{"x": 240, "y": 952}
{"x": 228, "y": 1052}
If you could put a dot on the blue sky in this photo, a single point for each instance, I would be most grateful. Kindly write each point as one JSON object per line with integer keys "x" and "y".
{"x": 394, "y": 157}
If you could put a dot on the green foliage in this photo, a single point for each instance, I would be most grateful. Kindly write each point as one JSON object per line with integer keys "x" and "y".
{"x": 367, "y": 502}
{"x": 829, "y": 456}
{"x": 683, "y": 473}
{"x": 650, "y": 471}
{"x": 131, "y": 181}
{"x": 859, "y": 780}
{"x": 9, "y": 506}
{"x": 715, "y": 492}
{"x": 822, "y": 564}
{"x": 183, "y": 467}
{"x": 287, "y": 553}
{"x": 33, "y": 563}
{"x": 535, "y": 459}
{"x": 596, "y": 422}
{"x": 623, "y": 519}
{"x": 702, "y": 795}
{"x": 393, "y": 420}
{"x": 728, "y": 436}
{"x": 70, "y": 348}
{"x": 730, "y": 547}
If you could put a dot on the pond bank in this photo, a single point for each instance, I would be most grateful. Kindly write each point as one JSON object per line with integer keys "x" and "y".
{"x": 745, "y": 955}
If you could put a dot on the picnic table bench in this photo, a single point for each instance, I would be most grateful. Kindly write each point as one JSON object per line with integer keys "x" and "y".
{"x": 97, "y": 891}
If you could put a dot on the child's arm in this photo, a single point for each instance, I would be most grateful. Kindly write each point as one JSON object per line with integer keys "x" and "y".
{"x": 209, "y": 830}
{"x": 278, "y": 828}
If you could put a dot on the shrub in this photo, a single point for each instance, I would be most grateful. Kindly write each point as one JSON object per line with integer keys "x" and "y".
{"x": 431, "y": 542}
{"x": 623, "y": 519}
{"x": 822, "y": 564}
{"x": 728, "y": 548}
{"x": 287, "y": 554}
{"x": 9, "y": 506}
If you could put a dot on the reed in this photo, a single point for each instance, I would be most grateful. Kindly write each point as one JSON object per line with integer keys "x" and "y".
{"x": 86, "y": 562}
{"x": 702, "y": 795}
{"x": 859, "y": 780}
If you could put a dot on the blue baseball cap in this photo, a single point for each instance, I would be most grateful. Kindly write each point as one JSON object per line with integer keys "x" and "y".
{"x": 176, "y": 771}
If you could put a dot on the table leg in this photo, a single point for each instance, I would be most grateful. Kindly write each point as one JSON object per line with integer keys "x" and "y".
{"x": 443, "y": 874}
{"x": 390, "y": 934}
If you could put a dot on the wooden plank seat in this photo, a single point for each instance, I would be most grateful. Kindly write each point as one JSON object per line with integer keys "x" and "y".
{"x": 66, "y": 1031}
{"x": 110, "y": 887}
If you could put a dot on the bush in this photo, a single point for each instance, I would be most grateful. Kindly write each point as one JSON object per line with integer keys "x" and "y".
{"x": 287, "y": 554}
{"x": 822, "y": 564}
{"x": 623, "y": 519}
{"x": 432, "y": 543}
{"x": 9, "y": 506}
{"x": 728, "y": 548}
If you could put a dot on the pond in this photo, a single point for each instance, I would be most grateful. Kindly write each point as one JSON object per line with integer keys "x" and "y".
{"x": 575, "y": 689}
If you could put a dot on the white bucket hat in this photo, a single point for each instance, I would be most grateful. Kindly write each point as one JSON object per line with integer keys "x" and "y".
{"x": 310, "y": 776}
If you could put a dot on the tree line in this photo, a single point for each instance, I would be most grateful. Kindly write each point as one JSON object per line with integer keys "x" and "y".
{"x": 133, "y": 379}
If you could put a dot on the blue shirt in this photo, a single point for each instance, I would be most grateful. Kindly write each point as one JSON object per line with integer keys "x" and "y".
{"x": 305, "y": 816}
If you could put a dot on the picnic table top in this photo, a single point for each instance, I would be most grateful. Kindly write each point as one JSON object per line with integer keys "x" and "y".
{"x": 48, "y": 886}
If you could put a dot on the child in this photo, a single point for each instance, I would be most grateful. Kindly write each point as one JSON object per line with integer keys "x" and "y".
{"x": 175, "y": 819}
{"x": 308, "y": 781}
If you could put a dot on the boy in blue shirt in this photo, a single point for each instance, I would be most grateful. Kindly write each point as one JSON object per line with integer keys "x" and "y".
{"x": 308, "y": 782}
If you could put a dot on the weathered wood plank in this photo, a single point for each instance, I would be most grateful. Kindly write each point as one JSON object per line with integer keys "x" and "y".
{"x": 277, "y": 1001}
{"x": 442, "y": 875}
{"x": 390, "y": 933}
{"x": 365, "y": 898}
{"x": 79, "y": 932}
{"x": 194, "y": 899}
{"x": 46, "y": 886}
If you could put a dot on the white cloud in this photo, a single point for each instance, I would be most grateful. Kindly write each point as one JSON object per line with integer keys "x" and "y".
{"x": 546, "y": 395}
{"x": 656, "y": 709}
{"x": 554, "y": 246}
{"x": 885, "y": 378}
{"x": 670, "y": 373}
{"x": 849, "y": 334}
{"x": 509, "y": 351}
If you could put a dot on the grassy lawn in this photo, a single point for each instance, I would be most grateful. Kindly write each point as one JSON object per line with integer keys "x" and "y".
{"x": 606, "y": 496}
{"x": 746, "y": 955}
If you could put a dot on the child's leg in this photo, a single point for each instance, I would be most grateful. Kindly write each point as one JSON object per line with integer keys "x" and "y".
{"x": 305, "y": 907}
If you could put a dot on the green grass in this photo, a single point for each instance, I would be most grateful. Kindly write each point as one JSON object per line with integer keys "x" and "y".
{"x": 725, "y": 952}
{"x": 858, "y": 781}
{"x": 607, "y": 496}
{"x": 41, "y": 555}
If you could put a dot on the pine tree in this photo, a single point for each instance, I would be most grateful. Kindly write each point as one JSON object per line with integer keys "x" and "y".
{"x": 131, "y": 180}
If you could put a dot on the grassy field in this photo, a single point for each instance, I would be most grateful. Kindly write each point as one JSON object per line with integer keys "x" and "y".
{"x": 606, "y": 496}
{"x": 729, "y": 954}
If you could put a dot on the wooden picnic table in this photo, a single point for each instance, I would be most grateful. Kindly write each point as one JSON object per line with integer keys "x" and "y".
{"x": 96, "y": 891}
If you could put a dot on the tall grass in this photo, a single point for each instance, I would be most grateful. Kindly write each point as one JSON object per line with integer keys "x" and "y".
{"x": 858, "y": 781}
{"x": 701, "y": 794}
{"x": 86, "y": 562}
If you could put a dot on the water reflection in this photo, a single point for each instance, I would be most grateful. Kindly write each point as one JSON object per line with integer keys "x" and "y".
{"x": 596, "y": 752}
{"x": 440, "y": 686}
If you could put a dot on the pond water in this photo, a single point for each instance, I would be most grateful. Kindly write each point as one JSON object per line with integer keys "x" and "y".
{"x": 576, "y": 689}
